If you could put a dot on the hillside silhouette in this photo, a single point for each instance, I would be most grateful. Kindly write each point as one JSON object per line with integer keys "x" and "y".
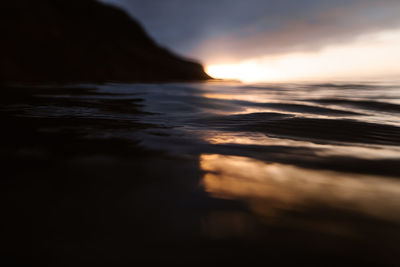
{"x": 82, "y": 41}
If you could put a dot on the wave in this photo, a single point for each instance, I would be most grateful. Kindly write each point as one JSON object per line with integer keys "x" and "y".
{"x": 299, "y": 108}
{"x": 363, "y": 104}
{"x": 315, "y": 129}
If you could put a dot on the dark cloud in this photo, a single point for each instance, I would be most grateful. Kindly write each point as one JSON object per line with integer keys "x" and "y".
{"x": 223, "y": 30}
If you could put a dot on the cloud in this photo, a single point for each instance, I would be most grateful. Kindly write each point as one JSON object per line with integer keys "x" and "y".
{"x": 216, "y": 31}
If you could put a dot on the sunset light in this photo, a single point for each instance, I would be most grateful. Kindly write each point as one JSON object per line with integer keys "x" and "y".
{"x": 368, "y": 57}
{"x": 176, "y": 132}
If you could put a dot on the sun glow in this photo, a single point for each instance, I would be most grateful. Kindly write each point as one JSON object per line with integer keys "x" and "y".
{"x": 371, "y": 56}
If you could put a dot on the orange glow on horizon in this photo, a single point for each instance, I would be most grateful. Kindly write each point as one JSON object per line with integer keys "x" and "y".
{"x": 373, "y": 56}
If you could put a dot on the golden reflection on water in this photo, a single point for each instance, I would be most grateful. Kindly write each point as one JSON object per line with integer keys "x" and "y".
{"x": 268, "y": 188}
{"x": 256, "y": 98}
{"x": 259, "y": 139}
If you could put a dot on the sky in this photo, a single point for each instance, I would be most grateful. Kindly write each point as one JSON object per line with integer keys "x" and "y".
{"x": 269, "y": 40}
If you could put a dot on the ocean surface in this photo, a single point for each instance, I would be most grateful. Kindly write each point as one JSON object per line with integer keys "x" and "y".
{"x": 202, "y": 172}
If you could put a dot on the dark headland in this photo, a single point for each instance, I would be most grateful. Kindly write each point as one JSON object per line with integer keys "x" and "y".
{"x": 46, "y": 41}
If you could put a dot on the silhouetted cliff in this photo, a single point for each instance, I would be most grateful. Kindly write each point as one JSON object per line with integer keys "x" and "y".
{"x": 82, "y": 41}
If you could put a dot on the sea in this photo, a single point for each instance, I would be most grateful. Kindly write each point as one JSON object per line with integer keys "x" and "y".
{"x": 199, "y": 173}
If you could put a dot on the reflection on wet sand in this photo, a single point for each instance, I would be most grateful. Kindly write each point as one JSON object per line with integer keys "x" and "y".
{"x": 269, "y": 188}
